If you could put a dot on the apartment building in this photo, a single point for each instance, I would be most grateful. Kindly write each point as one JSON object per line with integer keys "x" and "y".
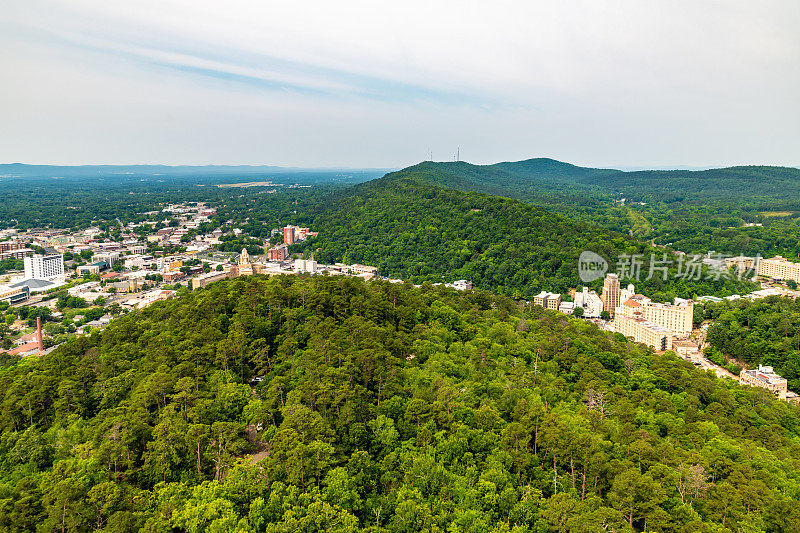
{"x": 644, "y": 331}
{"x": 548, "y": 300}
{"x": 288, "y": 235}
{"x": 765, "y": 377}
{"x": 14, "y": 244}
{"x": 17, "y": 253}
{"x": 675, "y": 317}
{"x": 779, "y": 268}
{"x": 278, "y": 253}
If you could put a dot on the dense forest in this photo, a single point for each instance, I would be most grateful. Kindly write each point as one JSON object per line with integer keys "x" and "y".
{"x": 413, "y": 229}
{"x": 765, "y": 331}
{"x": 530, "y": 178}
{"x": 691, "y": 211}
{"x": 300, "y": 404}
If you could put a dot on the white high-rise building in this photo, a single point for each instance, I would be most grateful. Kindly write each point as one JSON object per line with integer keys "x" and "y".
{"x": 46, "y": 267}
{"x": 590, "y": 302}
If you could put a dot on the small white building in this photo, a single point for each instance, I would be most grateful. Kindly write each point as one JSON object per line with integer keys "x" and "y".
{"x": 566, "y": 307}
{"x": 305, "y": 265}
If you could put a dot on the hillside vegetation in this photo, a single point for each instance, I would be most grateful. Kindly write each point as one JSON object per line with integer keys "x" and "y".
{"x": 765, "y": 331}
{"x": 381, "y": 407}
{"x": 691, "y": 211}
{"x": 530, "y": 178}
{"x": 412, "y": 228}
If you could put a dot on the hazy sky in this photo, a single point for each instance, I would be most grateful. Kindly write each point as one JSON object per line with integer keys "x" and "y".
{"x": 304, "y": 83}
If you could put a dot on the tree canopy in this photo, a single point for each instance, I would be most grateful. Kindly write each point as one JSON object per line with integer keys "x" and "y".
{"x": 298, "y": 403}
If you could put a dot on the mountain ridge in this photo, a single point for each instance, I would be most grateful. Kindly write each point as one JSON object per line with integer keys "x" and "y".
{"x": 529, "y": 178}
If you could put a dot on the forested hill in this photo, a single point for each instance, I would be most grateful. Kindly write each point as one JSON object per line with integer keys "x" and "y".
{"x": 774, "y": 186}
{"x": 412, "y": 228}
{"x": 541, "y": 180}
{"x": 382, "y": 408}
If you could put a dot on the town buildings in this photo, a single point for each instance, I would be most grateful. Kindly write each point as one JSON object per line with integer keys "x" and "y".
{"x": 91, "y": 269}
{"x": 305, "y": 265}
{"x": 108, "y": 257}
{"x": 741, "y": 264}
{"x": 244, "y": 267}
{"x": 567, "y": 308}
{"x": 459, "y": 285}
{"x": 288, "y": 235}
{"x": 293, "y": 234}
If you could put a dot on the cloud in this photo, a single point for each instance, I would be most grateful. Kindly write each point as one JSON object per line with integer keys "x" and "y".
{"x": 621, "y": 82}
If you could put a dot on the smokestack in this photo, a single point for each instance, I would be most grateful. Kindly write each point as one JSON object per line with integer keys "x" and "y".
{"x": 39, "y": 333}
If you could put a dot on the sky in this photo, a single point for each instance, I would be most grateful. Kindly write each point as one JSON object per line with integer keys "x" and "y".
{"x": 645, "y": 84}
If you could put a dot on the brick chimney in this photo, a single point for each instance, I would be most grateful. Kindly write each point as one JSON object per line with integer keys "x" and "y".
{"x": 39, "y": 333}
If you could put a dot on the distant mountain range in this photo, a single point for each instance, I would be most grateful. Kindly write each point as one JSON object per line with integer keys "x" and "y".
{"x": 533, "y": 178}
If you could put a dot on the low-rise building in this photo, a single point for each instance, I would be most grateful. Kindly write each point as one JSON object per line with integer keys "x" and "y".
{"x": 566, "y": 307}
{"x": 110, "y": 258}
{"x": 91, "y": 269}
{"x": 305, "y": 265}
{"x": 548, "y": 300}
{"x": 685, "y": 348}
{"x": 14, "y": 295}
{"x": 17, "y": 253}
{"x": 206, "y": 279}
{"x": 765, "y": 377}
{"x": 83, "y": 287}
